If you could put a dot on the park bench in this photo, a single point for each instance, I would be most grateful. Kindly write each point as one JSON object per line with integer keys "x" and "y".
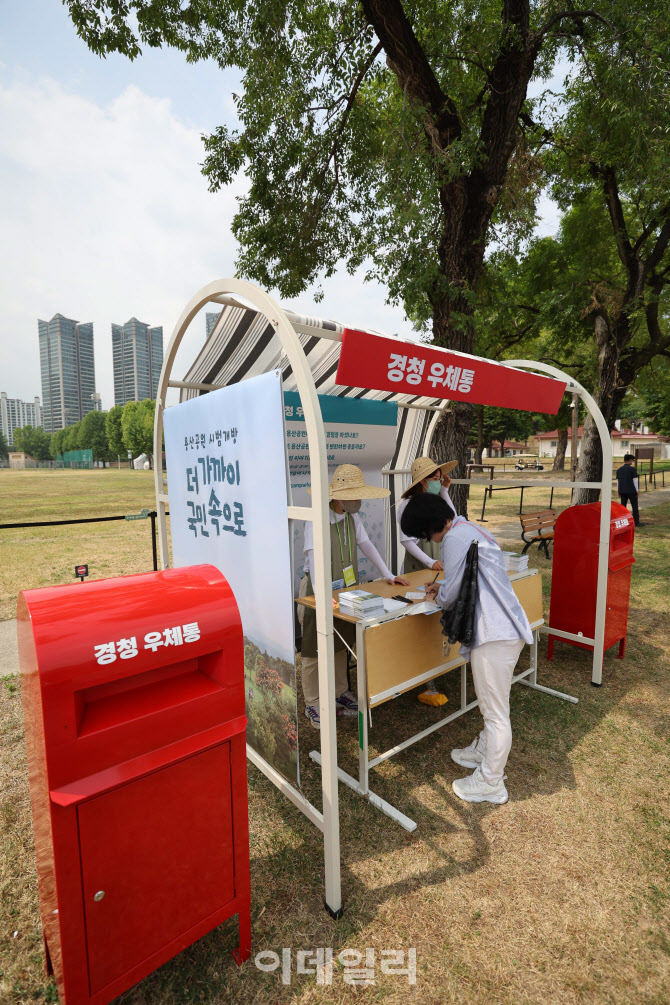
{"x": 538, "y": 527}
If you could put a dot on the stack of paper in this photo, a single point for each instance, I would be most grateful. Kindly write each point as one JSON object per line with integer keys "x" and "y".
{"x": 514, "y": 562}
{"x": 360, "y": 604}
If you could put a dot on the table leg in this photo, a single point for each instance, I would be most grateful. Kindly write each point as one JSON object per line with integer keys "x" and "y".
{"x": 533, "y": 655}
{"x": 362, "y": 710}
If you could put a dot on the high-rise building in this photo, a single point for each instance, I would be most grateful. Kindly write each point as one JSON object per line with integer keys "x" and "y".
{"x": 210, "y": 321}
{"x": 68, "y": 371}
{"x": 137, "y": 352}
{"x": 15, "y": 414}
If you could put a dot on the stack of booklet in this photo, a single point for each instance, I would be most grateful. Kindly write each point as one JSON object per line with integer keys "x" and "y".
{"x": 514, "y": 562}
{"x": 360, "y": 604}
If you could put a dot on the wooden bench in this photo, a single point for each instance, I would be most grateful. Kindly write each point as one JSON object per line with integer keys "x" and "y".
{"x": 540, "y": 528}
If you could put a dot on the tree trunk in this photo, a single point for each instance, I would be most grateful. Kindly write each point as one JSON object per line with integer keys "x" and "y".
{"x": 480, "y": 434}
{"x": 467, "y": 200}
{"x": 608, "y": 395}
{"x": 559, "y": 459}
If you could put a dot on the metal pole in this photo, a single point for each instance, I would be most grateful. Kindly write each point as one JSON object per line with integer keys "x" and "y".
{"x": 551, "y": 497}
{"x": 154, "y": 549}
{"x": 575, "y": 437}
{"x": 605, "y": 508}
{"x": 521, "y": 501}
{"x": 481, "y": 519}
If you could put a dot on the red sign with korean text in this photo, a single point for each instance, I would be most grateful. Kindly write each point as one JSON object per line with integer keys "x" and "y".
{"x": 405, "y": 368}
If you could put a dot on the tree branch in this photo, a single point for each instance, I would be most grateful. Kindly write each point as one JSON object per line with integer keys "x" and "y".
{"x": 659, "y": 249}
{"x": 574, "y": 15}
{"x": 615, "y": 209}
{"x": 665, "y": 214}
{"x": 409, "y": 62}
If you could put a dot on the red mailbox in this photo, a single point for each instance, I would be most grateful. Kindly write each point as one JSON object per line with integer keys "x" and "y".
{"x": 133, "y": 693}
{"x": 575, "y": 575}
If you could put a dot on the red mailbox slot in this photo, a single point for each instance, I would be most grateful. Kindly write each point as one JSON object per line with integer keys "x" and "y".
{"x": 575, "y": 575}
{"x": 133, "y": 694}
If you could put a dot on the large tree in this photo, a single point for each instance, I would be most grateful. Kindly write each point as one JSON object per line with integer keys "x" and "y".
{"x": 137, "y": 423}
{"x": 94, "y": 436}
{"x": 611, "y": 151}
{"x": 373, "y": 133}
{"x": 114, "y": 431}
{"x": 34, "y": 441}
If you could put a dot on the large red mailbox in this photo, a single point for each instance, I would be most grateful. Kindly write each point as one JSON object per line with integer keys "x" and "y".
{"x": 133, "y": 692}
{"x": 574, "y": 579}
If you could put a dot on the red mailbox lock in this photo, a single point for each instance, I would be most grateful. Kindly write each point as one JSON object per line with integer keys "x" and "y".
{"x": 133, "y": 692}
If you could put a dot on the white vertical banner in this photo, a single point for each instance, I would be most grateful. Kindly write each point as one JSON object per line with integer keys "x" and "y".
{"x": 358, "y": 431}
{"x": 227, "y": 485}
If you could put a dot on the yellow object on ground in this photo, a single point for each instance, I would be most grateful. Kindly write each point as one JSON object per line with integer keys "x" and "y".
{"x": 433, "y": 698}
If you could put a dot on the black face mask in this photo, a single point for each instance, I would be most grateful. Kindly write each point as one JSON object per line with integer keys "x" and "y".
{"x": 351, "y": 505}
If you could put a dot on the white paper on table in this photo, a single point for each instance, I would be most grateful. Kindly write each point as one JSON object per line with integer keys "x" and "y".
{"x": 394, "y": 605}
{"x": 426, "y": 607}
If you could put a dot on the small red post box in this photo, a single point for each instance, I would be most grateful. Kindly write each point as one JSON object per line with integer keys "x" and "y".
{"x": 574, "y": 579}
{"x": 133, "y": 692}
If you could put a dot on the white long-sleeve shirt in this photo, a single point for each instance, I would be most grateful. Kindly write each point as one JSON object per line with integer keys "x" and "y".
{"x": 499, "y": 615}
{"x": 411, "y": 544}
{"x": 362, "y": 540}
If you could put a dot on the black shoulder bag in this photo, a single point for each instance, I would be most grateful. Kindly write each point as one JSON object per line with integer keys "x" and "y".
{"x": 458, "y": 623}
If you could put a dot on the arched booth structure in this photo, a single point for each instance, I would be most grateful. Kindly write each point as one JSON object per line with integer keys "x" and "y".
{"x": 255, "y": 335}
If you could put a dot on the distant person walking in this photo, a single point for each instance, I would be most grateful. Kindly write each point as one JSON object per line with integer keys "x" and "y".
{"x": 628, "y": 486}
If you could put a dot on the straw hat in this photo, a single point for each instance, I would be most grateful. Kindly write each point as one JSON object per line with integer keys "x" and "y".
{"x": 348, "y": 483}
{"x": 424, "y": 466}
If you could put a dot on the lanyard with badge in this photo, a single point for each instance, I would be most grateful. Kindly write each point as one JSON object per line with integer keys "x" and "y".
{"x": 347, "y": 571}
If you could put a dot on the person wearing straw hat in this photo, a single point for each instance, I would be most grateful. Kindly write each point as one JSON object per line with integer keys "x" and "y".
{"x": 347, "y": 535}
{"x": 427, "y": 476}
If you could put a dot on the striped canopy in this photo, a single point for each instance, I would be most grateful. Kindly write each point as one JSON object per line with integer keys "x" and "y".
{"x": 244, "y": 344}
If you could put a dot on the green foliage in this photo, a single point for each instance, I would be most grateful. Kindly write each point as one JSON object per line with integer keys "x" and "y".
{"x": 137, "y": 424}
{"x": 93, "y": 436}
{"x": 365, "y": 128}
{"x": 270, "y": 708}
{"x": 72, "y": 437}
{"x": 502, "y": 424}
{"x": 56, "y": 447}
{"x": 115, "y": 432}
{"x": 33, "y": 441}
{"x": 652, "y": 402}
{"x": 4, "y": 446}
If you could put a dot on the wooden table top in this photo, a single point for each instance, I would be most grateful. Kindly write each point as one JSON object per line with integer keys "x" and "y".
{"x": 384, "y": 589}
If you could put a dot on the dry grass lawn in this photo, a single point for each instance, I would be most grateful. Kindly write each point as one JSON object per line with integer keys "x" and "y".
{"x": 561, "y": 896}
{"x": 45, "y": 556}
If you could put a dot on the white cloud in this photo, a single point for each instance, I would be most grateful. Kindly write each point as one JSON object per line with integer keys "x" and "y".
{"x": 106, "y": 215}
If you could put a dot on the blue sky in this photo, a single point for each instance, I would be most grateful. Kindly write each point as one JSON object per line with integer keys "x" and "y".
{"x": 105, "y": 212}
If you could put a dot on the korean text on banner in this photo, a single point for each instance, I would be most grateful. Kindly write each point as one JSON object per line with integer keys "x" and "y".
{"x": 405, "y": 368}
{"x": 226, "y": 465}
{"x": 358, "y": 431}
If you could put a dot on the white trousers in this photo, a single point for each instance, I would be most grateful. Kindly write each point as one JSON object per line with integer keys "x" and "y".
{"x": 310, "y": 677}
{"x": 493, "y": 666}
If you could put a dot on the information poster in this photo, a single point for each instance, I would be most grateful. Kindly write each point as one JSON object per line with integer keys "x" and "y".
{"x": 227, "y": 485}
{"x": 358, "y": 431}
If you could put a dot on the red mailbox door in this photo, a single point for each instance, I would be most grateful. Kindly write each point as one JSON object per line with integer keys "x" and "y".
{"x": 133, "y": 854}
